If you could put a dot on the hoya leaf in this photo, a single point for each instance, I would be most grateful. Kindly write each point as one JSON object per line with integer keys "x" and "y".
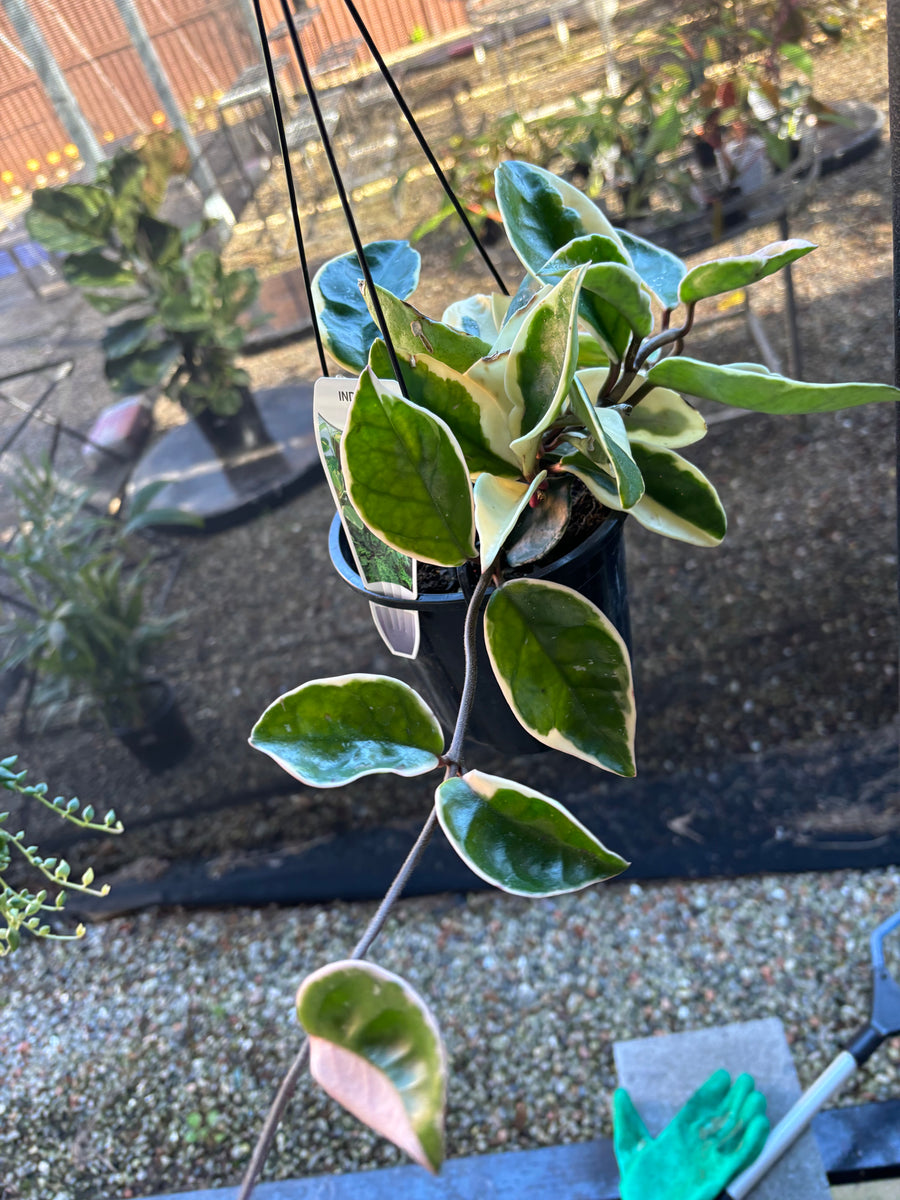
{"x": 414, "y": 333}
{"x": 565, "y": 671}
{"x": 347, "y": 328}
{"x": 375, "y": 1048}
{"x": 407, "y": 477}
{"x": 727, "y": 274}
{"x": 590, "y": 248}
{"x": 477, "y": 419}
{"x": 661, "y": 418}
{"x": 598, "y": 481}
{"x": 480, "y": 315}
{"x": 542, "y": 212}
{"x": 614, "y": 301}
{"x": 741, "y": 387}
{"x": 608, "y": 429}
{"x": 521, "y": 840}
{"x": 661, "y": 270}
{"x": 498, "y": 505}
{"x": 679, "y": 501}
{"x": 541, "y": 363}
{"x": 331, "y": 731}
{"x": 540, "y": 529}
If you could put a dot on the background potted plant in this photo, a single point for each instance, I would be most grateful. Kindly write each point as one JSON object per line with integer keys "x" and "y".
{"x": 79, "y": 614}
{"x": 184, "y": 332}
{"x": 500, "y": 411}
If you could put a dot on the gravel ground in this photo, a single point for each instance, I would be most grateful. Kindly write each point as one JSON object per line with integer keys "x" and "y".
{"x": 112, "y": 1045}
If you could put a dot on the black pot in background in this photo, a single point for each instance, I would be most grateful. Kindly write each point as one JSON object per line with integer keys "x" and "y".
{"x": 236, "y": 434}
{"x": 163, "y": 740}
{"x": 596, "y": 569}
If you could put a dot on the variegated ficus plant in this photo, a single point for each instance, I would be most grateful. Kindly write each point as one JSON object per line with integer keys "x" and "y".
{"x": 507, "y": 407}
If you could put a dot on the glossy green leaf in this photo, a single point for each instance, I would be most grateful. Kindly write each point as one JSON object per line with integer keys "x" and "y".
{"x": 92, "y": 270}
{"x": 180, "y": 314}
{"x": 614, "y": 301}
{"x": 476, "y": 418}
{"x": 539, "y": 530}
{"x": 499, "y": 503}
{"x": 565, "y": 671}
{"x": 661, "y": 418}
{"x": 521, "y": 840}
{"x": 331, "y": 731}
{"x": 109, "y": 304}
{"x": 661, "y": 270}
{"x": 414, "y": 333}
{"x": 479, "y": 316}
{"x": 159, "y": 240}
{"x": 542, "y": 212}
{"x": 127, "y": 336}
{"x": 541, "y": 364}
{"x": 375, "y": 1048}
{"x": 727, "y": 274}
{"x": 407, "y": 477}
{"x": 763, "y": 392}
{"x": 679, "y": 501}
{"x": 71, "y": 219}
{"x": 599, "y": 482}
{"x": 608, "y": 429}
{"x": 145, "y": 368}
{"x": 590, "y": 248}
{"x": 347, "y": 329}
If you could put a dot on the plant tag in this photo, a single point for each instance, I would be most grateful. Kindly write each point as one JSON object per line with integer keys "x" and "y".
{"x": 382, "y": 569}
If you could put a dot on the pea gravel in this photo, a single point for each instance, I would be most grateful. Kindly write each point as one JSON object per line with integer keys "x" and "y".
{"x": 141, "y": 1060}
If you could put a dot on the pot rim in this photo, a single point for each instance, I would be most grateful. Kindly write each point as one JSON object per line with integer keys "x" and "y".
{"x": 344, "y": 567}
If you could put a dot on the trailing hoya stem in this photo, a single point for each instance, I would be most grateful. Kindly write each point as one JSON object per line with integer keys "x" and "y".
{"x": 453, "y": 757}
{"x": 288, "y": 1085}
{"x": 666, "y": 337}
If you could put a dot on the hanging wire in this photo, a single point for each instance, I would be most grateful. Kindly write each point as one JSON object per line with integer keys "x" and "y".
{"x": 426, "y": 149}
{"x": 289, "y": 178}
{"x": 341, "y": 191}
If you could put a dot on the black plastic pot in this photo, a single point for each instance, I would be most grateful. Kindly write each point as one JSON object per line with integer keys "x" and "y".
{"x": 236, "y": 434}
{"x": 163, "y": 740}
{"x": 596, "y": 569}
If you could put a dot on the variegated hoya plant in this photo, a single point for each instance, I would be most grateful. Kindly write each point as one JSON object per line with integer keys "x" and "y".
{"x": 579, "y": 378}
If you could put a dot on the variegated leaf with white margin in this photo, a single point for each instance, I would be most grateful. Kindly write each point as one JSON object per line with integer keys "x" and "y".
{"x": 329, "y": 732}
{"x": 565, "y": 671}
{"x": 614, "y": 300}
{"x": 407, "y": 476}
{"x": 661, "y": 418}
{"x": 499, "y": 503}
{"x": 542, "y": 362}
{"x": 477, "y": 419}
{"x": 375, "y": 1048}
{"x": 679, "y": 501}
{"x": 542, "y": 212}
{"x": 414, "y": 333}
{"x": 521, "y": 840}
{"x": 490, "y": 372}
{"x": 608, "y": 430}
{"x": 480, "y": 315}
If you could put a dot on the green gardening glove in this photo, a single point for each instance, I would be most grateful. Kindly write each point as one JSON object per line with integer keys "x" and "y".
{"x": 718, "y": 1133}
